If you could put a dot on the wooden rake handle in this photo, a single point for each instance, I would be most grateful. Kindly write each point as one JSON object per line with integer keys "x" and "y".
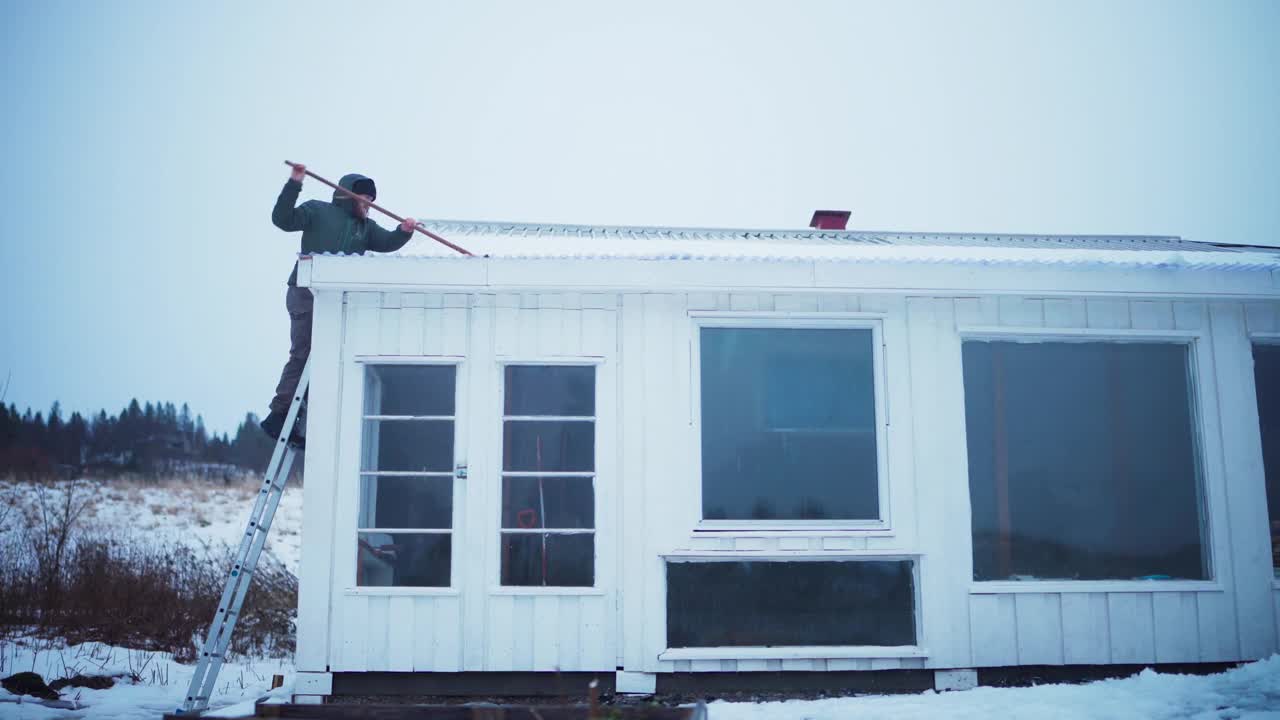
{"x": 381, "y": 209}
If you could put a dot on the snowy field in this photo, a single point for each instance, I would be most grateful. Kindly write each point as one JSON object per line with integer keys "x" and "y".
{"x": 198, "y": 513}
{"x": 207, "y": 514}
{"x": 194, "y": 513}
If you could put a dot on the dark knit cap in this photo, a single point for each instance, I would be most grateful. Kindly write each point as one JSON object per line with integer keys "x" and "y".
{"x": 365, "y": 186}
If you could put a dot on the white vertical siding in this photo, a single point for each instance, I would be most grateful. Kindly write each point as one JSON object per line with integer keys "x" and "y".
{"x": 1174, "y": 615}
{"x": 648, "y": 488}
{"x": 1262, "y": 320}
{"x": 937, "y": 415}
{"x": 1132, "y": 627}
{"x": 315, "y": 581}
{"x": 1086, "y": 628}
{"x": 1241, "y": 458}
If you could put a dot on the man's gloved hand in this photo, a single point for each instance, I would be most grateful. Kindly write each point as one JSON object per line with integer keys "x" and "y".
{"x": 408, "y": 224}
{"x": 299, "y": 172}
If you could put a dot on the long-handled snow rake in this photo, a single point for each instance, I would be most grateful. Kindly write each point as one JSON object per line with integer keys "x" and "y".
{"x": 379, "y": 208}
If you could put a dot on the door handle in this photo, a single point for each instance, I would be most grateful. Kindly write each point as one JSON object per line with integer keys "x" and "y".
{"x": 460, "y": 471}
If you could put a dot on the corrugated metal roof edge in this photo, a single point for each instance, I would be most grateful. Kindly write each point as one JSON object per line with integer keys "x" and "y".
{"x": 1078, "y": 257}
{"x": 512, "y": 227}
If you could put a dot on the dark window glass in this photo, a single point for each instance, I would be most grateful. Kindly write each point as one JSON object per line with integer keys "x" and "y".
{"x": 406, "y": 502}
{"x": 1082, "y": 461}
{"x": 758, "y": 603}
{"x": 402, "y": 560}
{"x": 545, "y": 559}
{"x": 408, "y": 445}
{"x": 550, "y": 390}
{"x": 1266, "y": 373}
{"x": 409, "y": 390}
{"x": 788, "y": 424}
{"x": 548, "y": 502}
{"x": 548, "y": 446}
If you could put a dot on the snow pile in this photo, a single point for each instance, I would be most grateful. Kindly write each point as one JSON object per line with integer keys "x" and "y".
{"x": 1251, "y": 692}
{"x": 194, "y": 513}
{"x": 147, "y": 685}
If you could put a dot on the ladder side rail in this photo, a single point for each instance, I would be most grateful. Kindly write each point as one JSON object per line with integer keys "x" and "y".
{"x": 228, "y": 627}
{"x": 236, "y": 575}
{"x": 282, "y": 442}
{"x": 238, "y": 580}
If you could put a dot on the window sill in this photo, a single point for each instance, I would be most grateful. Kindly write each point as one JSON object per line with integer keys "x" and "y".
{"x": 808, "y": 652}
{"x": 682, "y": 555}
{"x": 1094, "y": 586}
{"x": 536, "y": 591}
{"x": 398, "y": 591}
{"x": 783, "y": 528}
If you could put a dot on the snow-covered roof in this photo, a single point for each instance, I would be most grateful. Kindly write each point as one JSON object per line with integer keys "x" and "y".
{"x": 537, "y": 240}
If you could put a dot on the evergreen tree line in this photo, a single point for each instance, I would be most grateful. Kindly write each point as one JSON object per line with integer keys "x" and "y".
{"x": 149, "y": 439}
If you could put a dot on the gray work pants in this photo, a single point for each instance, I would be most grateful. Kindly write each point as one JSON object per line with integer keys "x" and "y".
{"x": 298, "y": 301}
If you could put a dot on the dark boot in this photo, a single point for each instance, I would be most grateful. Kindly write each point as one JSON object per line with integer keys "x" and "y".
{"x": 274, "y": 423}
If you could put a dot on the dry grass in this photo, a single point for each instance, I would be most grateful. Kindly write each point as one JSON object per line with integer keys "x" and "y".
{"x": 57, "y": 579}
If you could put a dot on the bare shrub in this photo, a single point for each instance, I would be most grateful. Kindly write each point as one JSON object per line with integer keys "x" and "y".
{"x": 158, "y": 598}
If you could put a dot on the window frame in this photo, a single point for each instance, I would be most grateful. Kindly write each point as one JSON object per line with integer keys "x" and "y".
{"x": 494, "y": 572}
{"x": 1273, "y": 339}
{"x": 460, "y": 365}
{"x": 807, "y": 652}
{"x": 796, "y": 321}
{"x": 1201, "y": 391}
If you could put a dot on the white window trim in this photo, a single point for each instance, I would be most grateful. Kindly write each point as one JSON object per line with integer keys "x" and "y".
{"x": 460, "y": 381}
{"x": 797, "y": 321}
{"x": 796, "y": 652}
{"x": 1211, "y": 482}
{"x": 1006, "y": 587}
{"x": 495, "y": 586}
{"x": 375, "y": 590}
{"x": 409, "y": 360}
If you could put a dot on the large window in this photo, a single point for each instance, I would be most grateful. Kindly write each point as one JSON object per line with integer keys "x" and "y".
{"x": 776, "y": 603}
{"x": 1083, "y": 462}
{"x": 406, "y": 476}
{"x": 789, "y": 424}
{"x": 548, "y": 475}
{"x": 1266, "y": 372}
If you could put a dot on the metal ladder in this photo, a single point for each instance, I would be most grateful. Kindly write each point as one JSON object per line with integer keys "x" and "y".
{"x": 218, "y": 639}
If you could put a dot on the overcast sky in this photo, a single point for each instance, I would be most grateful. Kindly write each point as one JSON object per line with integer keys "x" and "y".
{"x": 143, "y": 144}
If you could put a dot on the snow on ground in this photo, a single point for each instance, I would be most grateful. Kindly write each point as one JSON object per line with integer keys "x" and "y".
{"x": 1251, "y": 692}
{"x": 199, "y": 512}
{"x": 194, "y": 512}
{"x": 148, "y": 684}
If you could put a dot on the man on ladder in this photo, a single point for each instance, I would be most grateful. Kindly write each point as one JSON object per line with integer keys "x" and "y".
{"x": 340, "y": 226}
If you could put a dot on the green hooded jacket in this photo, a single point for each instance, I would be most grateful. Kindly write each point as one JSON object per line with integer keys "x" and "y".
{"x": 332, "y": 227}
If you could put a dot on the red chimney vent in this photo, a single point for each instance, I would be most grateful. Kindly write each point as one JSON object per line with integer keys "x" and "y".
{"x": 829, "y": 219}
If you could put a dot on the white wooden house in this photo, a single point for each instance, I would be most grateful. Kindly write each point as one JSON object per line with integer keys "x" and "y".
{"x": 654, "y": 451}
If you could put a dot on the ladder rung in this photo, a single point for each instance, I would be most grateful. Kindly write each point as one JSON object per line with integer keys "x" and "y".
{"x": 267, "y": 504}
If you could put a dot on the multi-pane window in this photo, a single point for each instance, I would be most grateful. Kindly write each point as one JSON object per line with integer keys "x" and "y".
{"x": 1266, "y": 373}
{"x": 789, "y": 424}
{"x": 1083, "y": 461}
{"x": 548, "y": 475}
{"x": 406, "y": 476}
